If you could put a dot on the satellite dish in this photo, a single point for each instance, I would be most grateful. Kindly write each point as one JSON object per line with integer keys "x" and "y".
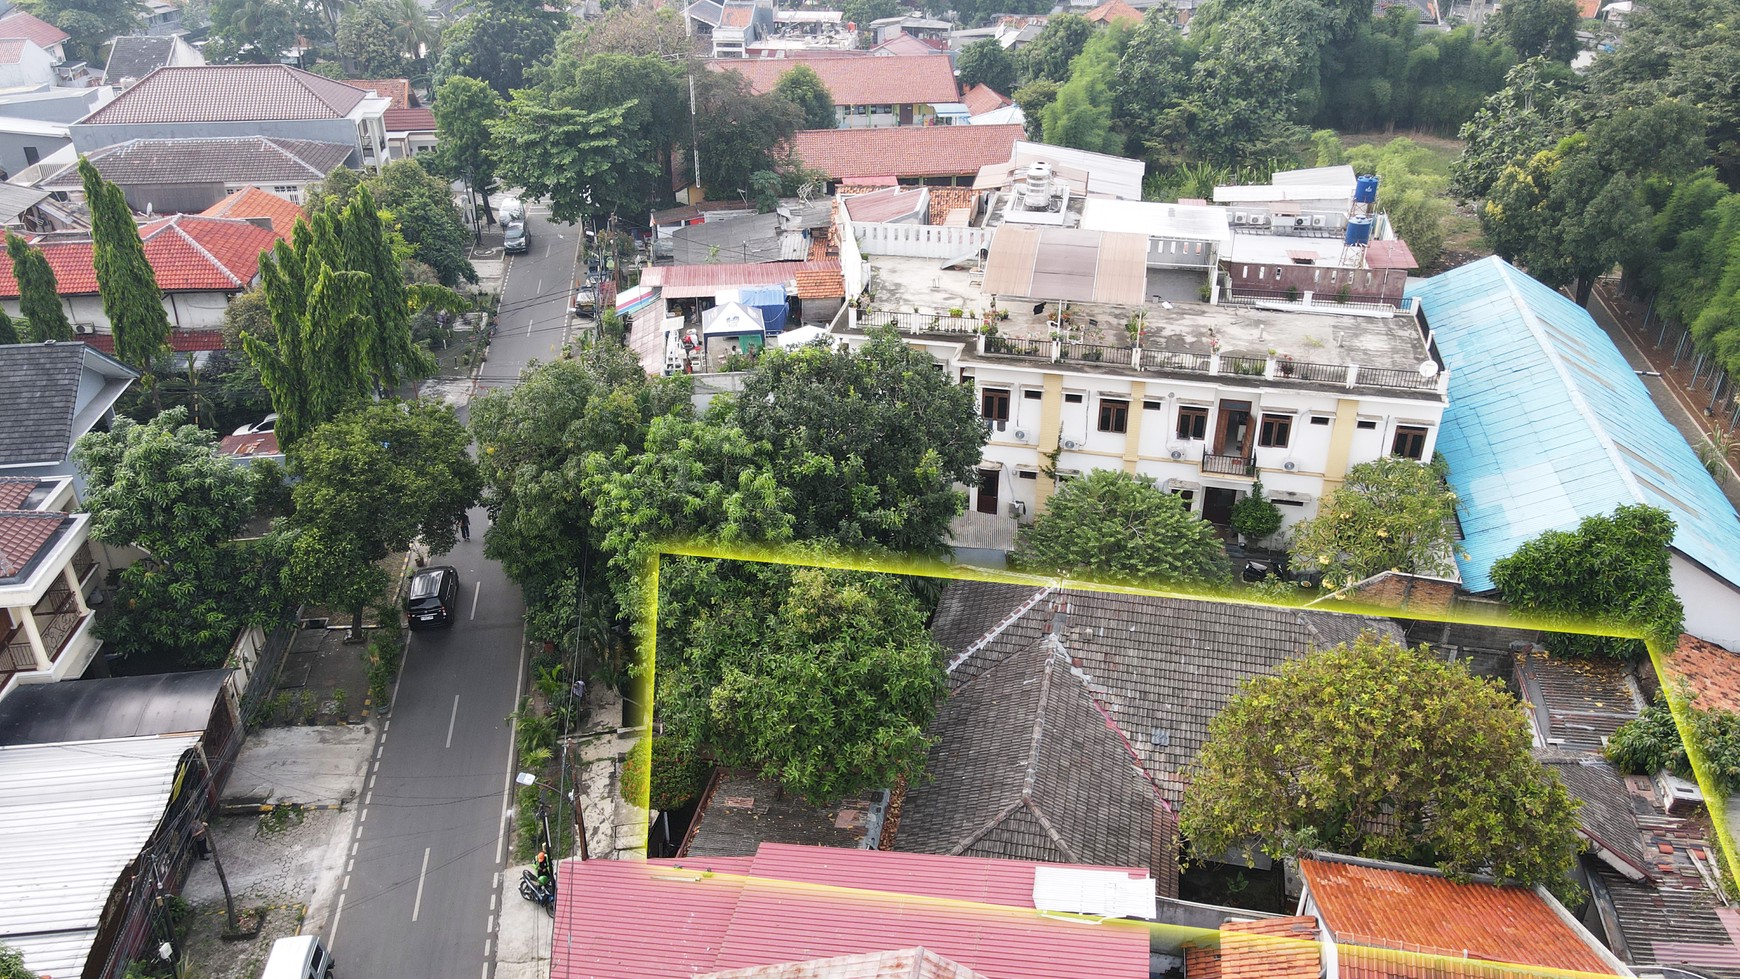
{"x": 1428, "y": 369}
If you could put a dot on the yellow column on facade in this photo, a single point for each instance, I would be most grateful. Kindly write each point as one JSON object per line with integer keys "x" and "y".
{"x": 1133, "y": 431}
{"x": 1050, "y": 430}
{"x": 1340, "y": 443}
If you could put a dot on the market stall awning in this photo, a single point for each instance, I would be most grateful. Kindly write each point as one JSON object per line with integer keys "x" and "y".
{"x": 1068, "y": 265}
{"x": 636, "y": 299}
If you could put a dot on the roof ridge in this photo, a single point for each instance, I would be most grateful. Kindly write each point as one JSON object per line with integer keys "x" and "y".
{"x": 1534, "y": 325}
{"x": 985, "y": 640}
{"x": 175, "y": 222}
{"x": 278, "y": 144}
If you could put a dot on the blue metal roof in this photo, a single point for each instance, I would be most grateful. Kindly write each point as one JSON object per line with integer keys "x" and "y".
{"x": 1547, "y": 424}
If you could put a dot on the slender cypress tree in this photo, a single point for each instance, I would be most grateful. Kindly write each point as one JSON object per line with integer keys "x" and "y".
{"x": 131, "y": 299}
{"x": 8, "y": 332}
{"x": 38, "y": 293}
{"x": 315, "y": 369}
{"x": 391, "y": 355}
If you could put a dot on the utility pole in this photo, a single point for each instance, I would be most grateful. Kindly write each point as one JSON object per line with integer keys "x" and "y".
{"x": 694, "y": 134}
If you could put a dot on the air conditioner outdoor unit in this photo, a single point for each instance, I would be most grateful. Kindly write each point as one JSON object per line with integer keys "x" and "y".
{"x": 84, "y": 328}
{"x": 1317, "y": 220}
{"x": 1069, "y": 443}
{"x": 1289, "y": 465}
{"x": 1259, "y": 219}
{"x": 1301, "y": 222}
{"x": 1240, "y": 217}
{"x": 1176, "y": 454}
{"x": 1020, "y": 436}
{"x": 1017, "y": 509}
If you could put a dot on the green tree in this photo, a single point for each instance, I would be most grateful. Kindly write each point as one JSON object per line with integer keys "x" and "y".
{"x": 258, "y": 31}
{"x": 314, "y": 364}
{"x": 418, "y": 37}
{"x": 499, "y": 42}
{"x": 1255, "y": 517}
{"x": 370, "y": 482}
{"x": 871, "y": 443}
{"x": 1376, "y": 750}
{"x": 1151, "y": 84}
{"x": 463, "y": 109}
{"x": 631, "y": 29}
{"x": 563, "y": 155}
{"x": 1243, "y": 93}
{"x": 12, "y": 964}
{"x": 420, "y": 208}
{"x": 1034, "y": 98}
{"x": 1114, "y": 527}
{"x": 367, "y": 43}
{"x": 162, "y": 487}
{"x": 131, "y": 299}
{"x": 987, "y": 63}
{"x": 1526, "y": 116}
{"x": 1612, "y": 568}
{"x": 739, "y": 132}
{"x": 1410, "y": 192}
{"x": 8, "y": 332}
{"x": 1082, "y": 115}
{"x": 1390, "y": 514}
{"x": 91, "y": 23}
{"x": 1538, "y": 27}
{"x": 824, "y": 680}
{"x": 1047, "y": 57}
{"x": 38, "y": 293}
{"x": 864, "y": 12}
{"x": 676, "y": 778}
{"x": 802, "y": 87}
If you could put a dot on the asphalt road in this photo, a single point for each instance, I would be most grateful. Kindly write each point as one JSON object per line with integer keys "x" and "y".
{"x": 419, "y": 897}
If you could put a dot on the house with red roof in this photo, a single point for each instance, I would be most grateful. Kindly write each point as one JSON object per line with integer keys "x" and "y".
{"x": 18, "y": 24}
{"x": 896, "y": 90}
{"x": 266, "y": 209}
{"x": 24, "y": 65}
{"x": 45, "y": 565}
{"x": 911, "y": 154}
{"x": 410, "y": 132}
{"x": 786, "y": 904}
{"x": 201, "y": 263}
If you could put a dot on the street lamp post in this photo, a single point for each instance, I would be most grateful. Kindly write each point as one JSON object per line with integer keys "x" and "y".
{"x": 527, "y": 778}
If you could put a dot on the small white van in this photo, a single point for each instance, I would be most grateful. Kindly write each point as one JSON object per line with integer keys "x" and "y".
{"x": 298, "y": 957}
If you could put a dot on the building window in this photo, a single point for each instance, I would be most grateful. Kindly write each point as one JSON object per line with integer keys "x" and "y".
{"x": 1026, "y": 474}
{"x": 994, "y": 404}
{"x": 1114, "y": 415}
{"x": 1367, "y": 424}
{"x": 1192, "y": 423}
{"x": 1153, "y": 406}
{"x": 1276, "y": 431}
{"x": 1072, "y": 399}
{"x": 1322, "y": 419}
{"x": 1033, "y": 394}
{"x": 1410, "y": 442}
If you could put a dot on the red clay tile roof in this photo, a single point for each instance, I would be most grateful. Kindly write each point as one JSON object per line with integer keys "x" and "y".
{"x": 905, "y": 151}
{"x": 180, "y": 341}
{"x": 23, "y": 535}
{"x": 982, "y": 98}
{"x": 1422, "y": 911}
{"x": 903, "y": 44}
{"x": 893, "y": 80}
{"x": 794, "y": 903}
{"x": 188, "y": 253}
{"x": 946, "y": 199}
{"x": 1710, "y": 672}
{"x": 40, "y": 32}
{"x": 228, "y": 93}
{"x": 12, "y": 50}
{"x": 1113, "y": 11}
{"x": 14, "y": 490}
{"x": 1270, "y": 948}
{"x": 397, "y": 89}
{"x": 249, "y": 446}
{"x": 409, "y": 120}
{"x": 252, "y": 202}
{"x": 880, "y": 205}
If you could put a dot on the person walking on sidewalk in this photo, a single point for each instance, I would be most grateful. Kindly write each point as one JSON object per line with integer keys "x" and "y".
{"x": 200, "y": 846}
{"x": 465, "y": 526}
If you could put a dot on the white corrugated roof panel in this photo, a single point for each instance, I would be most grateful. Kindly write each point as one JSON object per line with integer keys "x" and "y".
{"x": 73, "y": 815}
{"x": 1107, "y": 175}
{"x": 1078, "y": 890}
{"x": 1158, "y": 220}
{"x": 1342, "y": 175}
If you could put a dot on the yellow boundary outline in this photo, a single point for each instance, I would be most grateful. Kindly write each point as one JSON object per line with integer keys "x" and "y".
{"x": 798, "y": 555}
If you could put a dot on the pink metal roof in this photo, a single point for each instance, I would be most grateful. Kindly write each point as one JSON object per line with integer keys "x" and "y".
{"x": 1392, "y": 254}
{"x": 665, "y": 919}
{"x": 691, "y": 281}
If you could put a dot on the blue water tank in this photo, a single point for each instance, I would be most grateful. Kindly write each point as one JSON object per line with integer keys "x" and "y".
{"x": 1365, "y": 189}
{"x": 1358, "y": 230}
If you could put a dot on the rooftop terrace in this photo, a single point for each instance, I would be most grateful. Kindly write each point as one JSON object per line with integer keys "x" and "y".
{"x": 1340, "y": 344}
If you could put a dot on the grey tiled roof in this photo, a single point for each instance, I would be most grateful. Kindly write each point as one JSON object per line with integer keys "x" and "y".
{"x": 1026, "y": 768}
{"x": 1164, "y": 667}
{"x": 241, "y": 159}
{"x": 1578, "y": 703}
{"x": 39, "y": 393}
{"x": 965, "y": 614}
{"x": 228, "y": 93}
{"x": 744, "y": 812}
{"x": 136, "y": 56}
{"x": 1670, "y": 925}
{"x": 1606, "y": 816}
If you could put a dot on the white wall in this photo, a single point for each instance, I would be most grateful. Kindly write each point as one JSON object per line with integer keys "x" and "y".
{"x": 920, "y": 240}
{"x": 35, "y": 67}
{"x": 1712, "y": 605}
{"x": 186, "y": 310}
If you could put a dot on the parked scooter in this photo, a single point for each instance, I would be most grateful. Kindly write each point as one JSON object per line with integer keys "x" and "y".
{"x": 539, "y": 890}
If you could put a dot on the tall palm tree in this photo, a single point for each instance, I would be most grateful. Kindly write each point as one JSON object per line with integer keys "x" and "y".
{"x": 418, "y": 36}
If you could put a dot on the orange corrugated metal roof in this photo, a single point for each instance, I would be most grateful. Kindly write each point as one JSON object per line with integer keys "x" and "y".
{"x": 252, "y": 202}
{"x": 1271, "y": 948}
{"x": 1395, "y": 907}
{"x": 1711, "y": 672}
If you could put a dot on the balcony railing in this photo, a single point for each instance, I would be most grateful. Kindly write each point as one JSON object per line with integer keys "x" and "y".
{"x": 1228, "y": 465}
{"x": 16, "y": 654}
